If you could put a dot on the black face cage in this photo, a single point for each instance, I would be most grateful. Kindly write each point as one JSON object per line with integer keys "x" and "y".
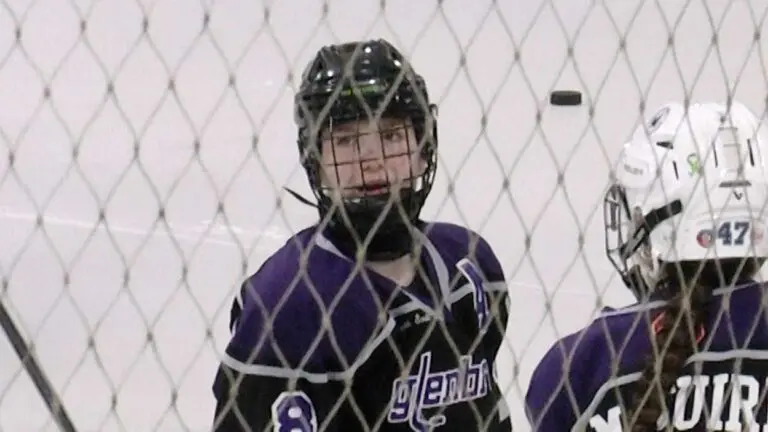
{"x": 402, "y": 97}
{"x": 411, "y": 199}
{"x": 617, "y": 219}
{"x": 400, "y": 126}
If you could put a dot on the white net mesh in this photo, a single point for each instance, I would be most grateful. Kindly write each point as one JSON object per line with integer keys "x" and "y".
{"x": 145, "y": 144}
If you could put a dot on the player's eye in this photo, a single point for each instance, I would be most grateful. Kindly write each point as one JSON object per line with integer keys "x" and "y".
{"x": 392, "y": 135}
{"x": 345, "y": 140}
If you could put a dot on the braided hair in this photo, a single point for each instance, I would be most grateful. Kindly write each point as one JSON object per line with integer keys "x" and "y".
{"x": 678, "y": 329}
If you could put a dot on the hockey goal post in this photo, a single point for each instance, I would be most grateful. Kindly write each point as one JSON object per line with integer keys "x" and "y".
{"x": 144, "y": 147}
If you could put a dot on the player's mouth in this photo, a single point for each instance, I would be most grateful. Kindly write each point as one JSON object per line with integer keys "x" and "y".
{"x": 371, "y": 189}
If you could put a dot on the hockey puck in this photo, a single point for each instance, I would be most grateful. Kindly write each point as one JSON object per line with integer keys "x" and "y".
{"x": 565, "y": 97}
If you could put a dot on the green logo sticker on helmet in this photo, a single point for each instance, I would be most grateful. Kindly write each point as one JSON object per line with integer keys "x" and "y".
{"x": 694, "y": 165}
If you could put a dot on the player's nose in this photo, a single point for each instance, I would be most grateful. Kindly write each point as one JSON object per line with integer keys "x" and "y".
{"x": 371, "y": 153}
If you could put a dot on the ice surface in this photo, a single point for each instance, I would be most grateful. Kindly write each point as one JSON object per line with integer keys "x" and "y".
{"x": 128, "y": 306}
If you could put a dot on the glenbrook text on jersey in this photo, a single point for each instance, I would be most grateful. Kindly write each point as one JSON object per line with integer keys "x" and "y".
{"x": 426, "y": 390}
{"x": 734, "y": 399}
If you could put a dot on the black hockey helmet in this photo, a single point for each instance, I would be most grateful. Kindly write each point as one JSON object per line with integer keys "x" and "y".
{"x": 358, "y": 81}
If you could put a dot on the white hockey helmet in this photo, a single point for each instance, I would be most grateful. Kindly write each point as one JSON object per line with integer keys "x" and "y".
{"x": 690, "y": 185}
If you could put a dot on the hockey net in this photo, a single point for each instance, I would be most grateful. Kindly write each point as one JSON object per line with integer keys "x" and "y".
{"x": 145, "y": 147}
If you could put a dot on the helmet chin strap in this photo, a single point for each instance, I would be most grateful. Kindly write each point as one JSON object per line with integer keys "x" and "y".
{"x": 643, "y": 279}
{"x": 637, "y": 282}
{"x": 300, "y": 198}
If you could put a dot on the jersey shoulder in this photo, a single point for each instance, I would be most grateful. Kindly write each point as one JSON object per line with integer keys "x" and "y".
{"x": 633, "y": 324}
{"x": 456, "y": 243}
{"x": 576, "y": 365}
{"x": 286, "y": 304}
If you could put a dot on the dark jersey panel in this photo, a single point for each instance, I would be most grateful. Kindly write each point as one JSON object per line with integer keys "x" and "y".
{"x": 347, "y": 349}
{"x": 267, "y": 403}
{"x": 433, "y": 372}
{"x": 590, "y": 389}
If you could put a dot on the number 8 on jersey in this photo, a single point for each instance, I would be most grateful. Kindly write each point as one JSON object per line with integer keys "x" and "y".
{"x": 292, "y": 411}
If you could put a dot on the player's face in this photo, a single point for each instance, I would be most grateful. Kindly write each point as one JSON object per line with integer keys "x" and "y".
{"x": 363, "y": 158}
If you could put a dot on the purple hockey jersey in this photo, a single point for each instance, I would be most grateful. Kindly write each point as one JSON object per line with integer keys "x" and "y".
{"x": 586, "y": 378}
{"x": 321, "y": 344}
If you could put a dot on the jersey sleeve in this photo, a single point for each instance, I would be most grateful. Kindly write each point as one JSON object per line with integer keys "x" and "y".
{"x": 558, "y": 390}
{"x": 547, "y": 397}
{"x": 498, "y": 295}
{"x": 481, "y": 268}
